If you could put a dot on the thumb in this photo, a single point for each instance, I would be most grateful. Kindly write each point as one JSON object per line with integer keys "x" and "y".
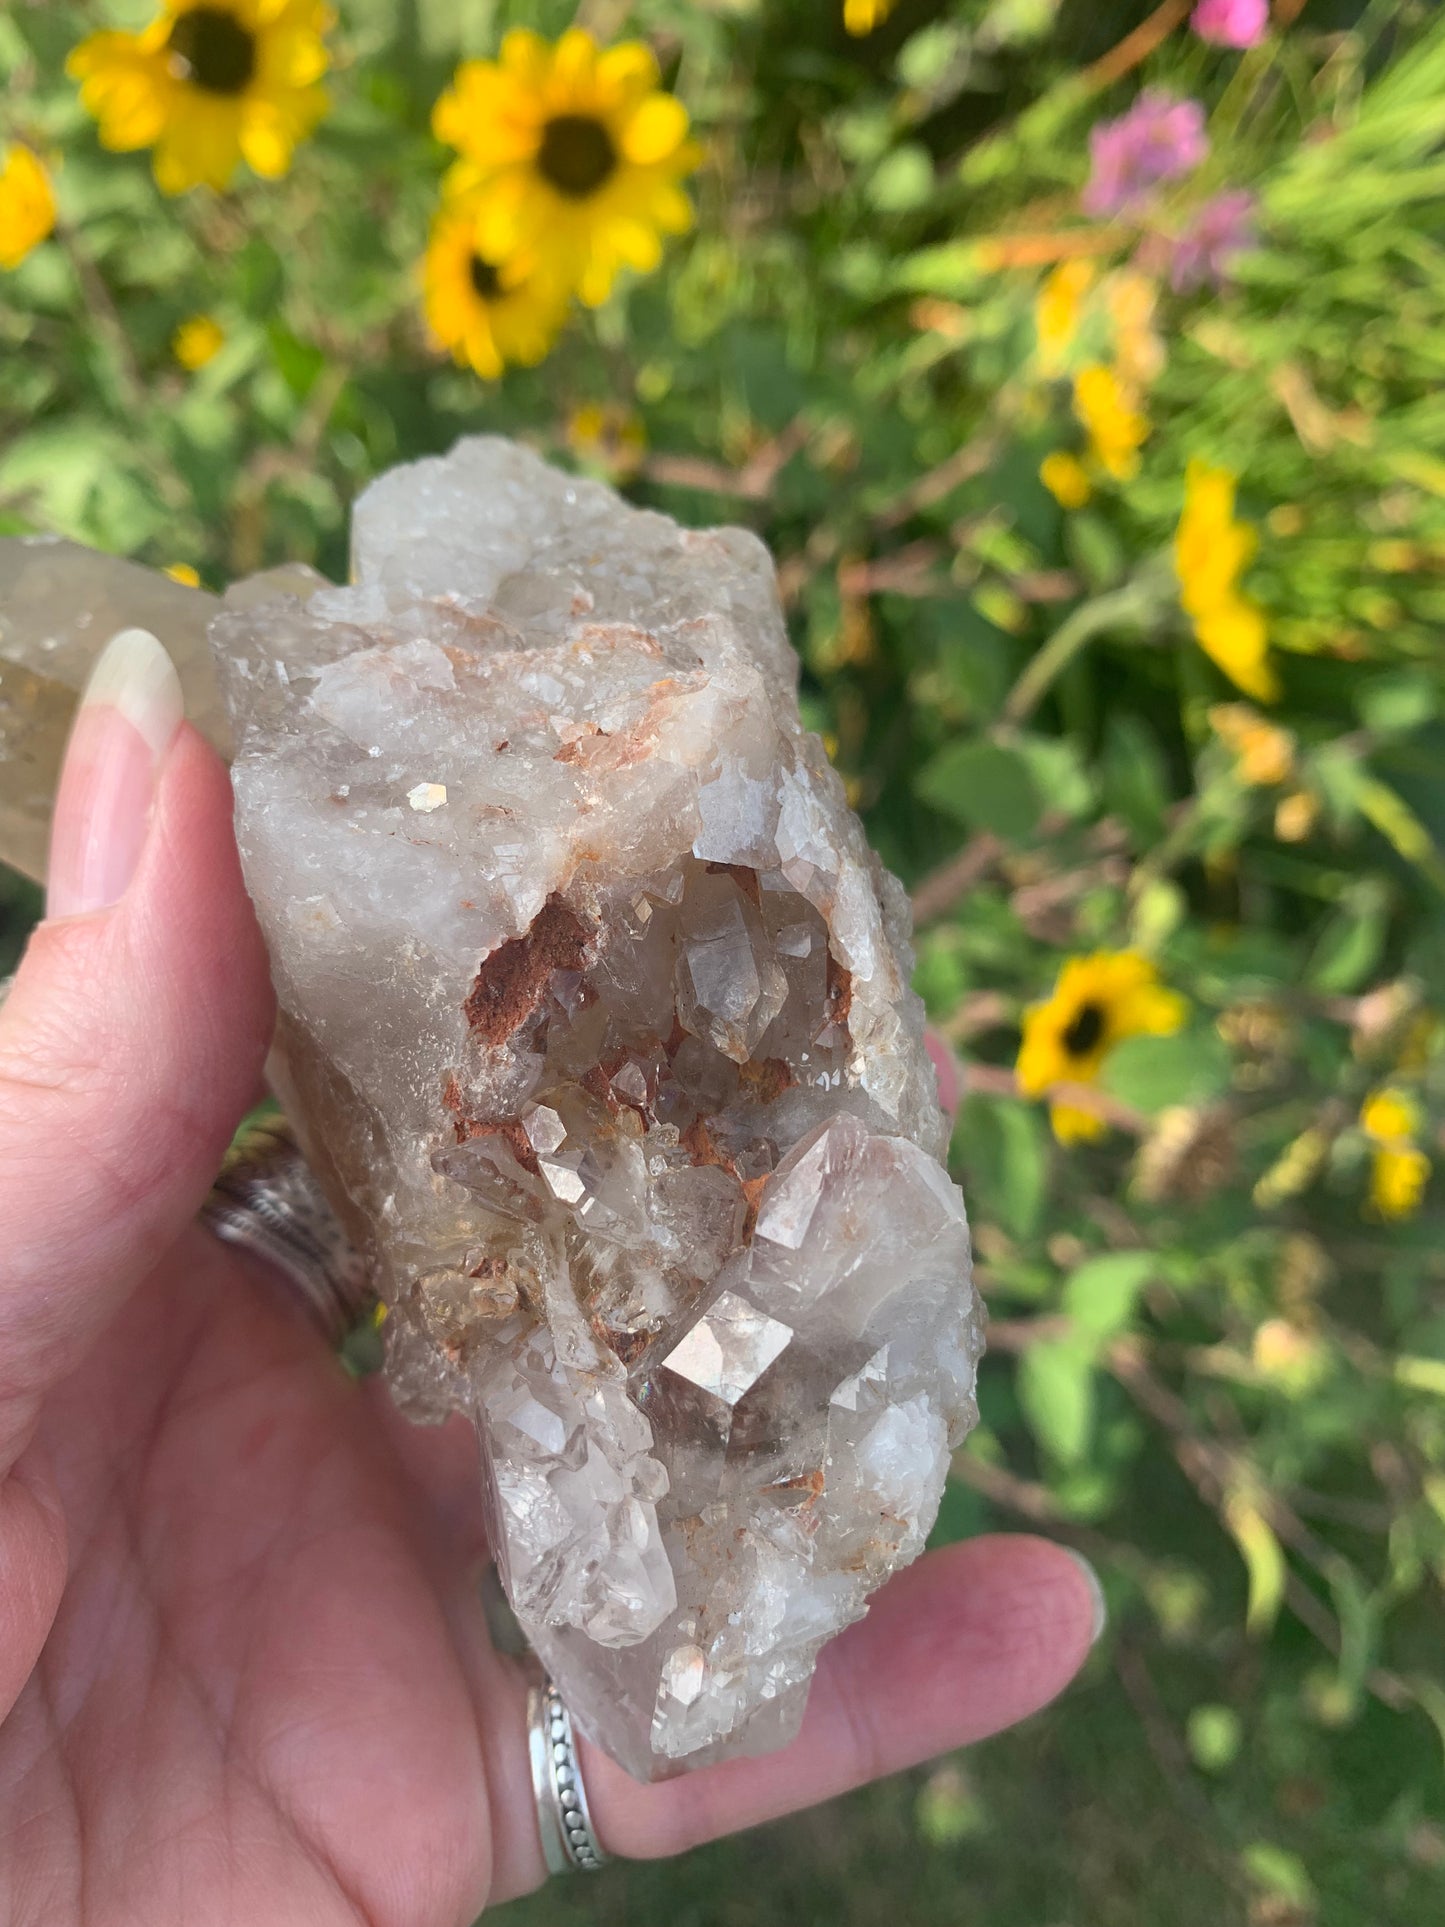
{"x": 134, "y": 1035}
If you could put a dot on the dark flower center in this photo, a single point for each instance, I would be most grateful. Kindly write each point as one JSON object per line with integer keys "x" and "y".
{"x": 1085, "y": 1031}
{"x": 486, "y": 282}
{"x": 576, "y": 155}
{"x": 213, "y": 50}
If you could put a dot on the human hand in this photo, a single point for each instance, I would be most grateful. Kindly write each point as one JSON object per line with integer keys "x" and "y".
{"x": 243, "y": 1672}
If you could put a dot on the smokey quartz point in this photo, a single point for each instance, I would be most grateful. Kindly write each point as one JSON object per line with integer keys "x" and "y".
{"x": 596, "y": 1019}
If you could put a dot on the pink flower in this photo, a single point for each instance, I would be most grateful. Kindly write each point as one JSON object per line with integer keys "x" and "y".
{"x": 1231, "y": 23}
{"x": 1221, "y": 230}
{"x": 1156, "y": 140}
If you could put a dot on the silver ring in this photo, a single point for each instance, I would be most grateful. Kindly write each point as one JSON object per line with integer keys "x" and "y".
{"x": 562, "y": 1813}
{"x": 267, "y": 1201}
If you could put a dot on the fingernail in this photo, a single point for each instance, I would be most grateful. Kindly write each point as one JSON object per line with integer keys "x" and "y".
{"x": 1096, "y": 1593}
{"x": 948, "y": 1070}
{"x": 126, "y": 722}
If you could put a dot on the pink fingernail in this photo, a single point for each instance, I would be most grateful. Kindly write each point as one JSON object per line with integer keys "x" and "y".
{"x": 950, "y": 1075}
{"x": 126, "y": 722}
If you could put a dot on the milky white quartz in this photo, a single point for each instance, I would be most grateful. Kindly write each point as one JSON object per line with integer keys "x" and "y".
{"x": 596, "y": 1019}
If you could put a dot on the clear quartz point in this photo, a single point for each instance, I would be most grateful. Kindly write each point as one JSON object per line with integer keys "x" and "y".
{"x": 596, "y": 1021}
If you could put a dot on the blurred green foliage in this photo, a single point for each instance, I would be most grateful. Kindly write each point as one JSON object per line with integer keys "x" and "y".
{"x": 1212, "y": 1368}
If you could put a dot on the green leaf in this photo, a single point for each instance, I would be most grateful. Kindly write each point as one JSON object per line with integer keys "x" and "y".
{"x": 1263, "y": 1558}
{"x": 1004, "y": 1148}
{"x": 984, "y": 786}
{"x": 1095, "y": 550}
{"x": 953, "y": 268}
{"x": 1056, "y": 1392}
{"x": 1136, "y": 783}
{"x": 78, "y": 478}
{"x": 1059, "y": 775}
{"x": 1160, "y": 908}
{"x": 926, "y": 56}
{"x": 1151, "y": 1073}
{"x": 948, "y": 1808}
{"x": 1280, "y": 1873}
{"x": 1421, "y": 1374}
{"x": 902, "y": 180}
{"x": 1214, "y": 1734}
{"x": 300, "y": 362}
{"x": 1392, "y": 704}
{"x": 1351, "y": 944}
{"x": 1025, "y": 1145}
{"x": 1100, "y": 1296}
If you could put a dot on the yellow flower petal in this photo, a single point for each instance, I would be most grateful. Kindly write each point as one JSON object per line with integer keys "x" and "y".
{"x": 27, "y": 206}
{"x": 1066, "y": 479}
{"x": 1115, "y": 425}
{"x": 1397, "y": 1182}
{"x": 1211, "y": 551}
{"x": 1072, "y": 1126}
{"x": 627, "y": 72}
{"x": 574, "y": 61}
{"x": 199, "y": 339}
{"x": 1235, "y": 637}
{"x": 860, "y": 17}
{"x": 656, "y": 130}
{"x": 1059, "y": 309}
{"x": 1390, "y": 1116}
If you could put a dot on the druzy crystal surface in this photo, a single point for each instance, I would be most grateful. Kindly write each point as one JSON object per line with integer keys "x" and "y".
{"x": 595, "y": 1019}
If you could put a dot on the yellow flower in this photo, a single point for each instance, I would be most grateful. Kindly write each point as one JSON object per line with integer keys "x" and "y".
{"x": 1234, "y": 636}
{"x": 611, "y": 438}
{"x": 1399, "y": 1171}
{"x": 27, "y": 206}
{"x": 1129, "y": 300}
{"x": 487, "y": 313}
{"x": 1397, "y": 1182}
{"x": 1295, "y": 1360}
{"x": 1211, "y": 552}
{"x": 1115, "y": 426}
{"x": 1211, "y": 549}
{"x": 208, "y": 83}
{"x": 1295, "y": 816}
{"x": 183, "y": 573}
{"x": 579, "y": 152}
{"x": 199, "y": 339}
{"x": 1059, "y": 309}
{"x": 1390, "y": 1116}
{"x": 1066, "y": 479}
{"x": 1097, "y": 1002}
{"x": 1264, "y": 753}
{"x": 862, "y": 16}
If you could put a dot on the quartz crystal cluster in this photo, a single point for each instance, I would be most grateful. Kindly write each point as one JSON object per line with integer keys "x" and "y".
{"x": 596, "y": 1023}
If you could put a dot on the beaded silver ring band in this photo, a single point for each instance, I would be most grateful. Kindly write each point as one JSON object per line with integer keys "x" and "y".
{"x": 568, "y": 1841}
{"x": 267, "y": 1201}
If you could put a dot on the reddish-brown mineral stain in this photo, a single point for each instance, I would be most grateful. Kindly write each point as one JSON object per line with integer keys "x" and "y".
{"x": 509, "y": 985}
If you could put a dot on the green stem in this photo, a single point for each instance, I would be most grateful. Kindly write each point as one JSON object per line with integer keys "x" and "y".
{"x": 1134, "y": 602}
